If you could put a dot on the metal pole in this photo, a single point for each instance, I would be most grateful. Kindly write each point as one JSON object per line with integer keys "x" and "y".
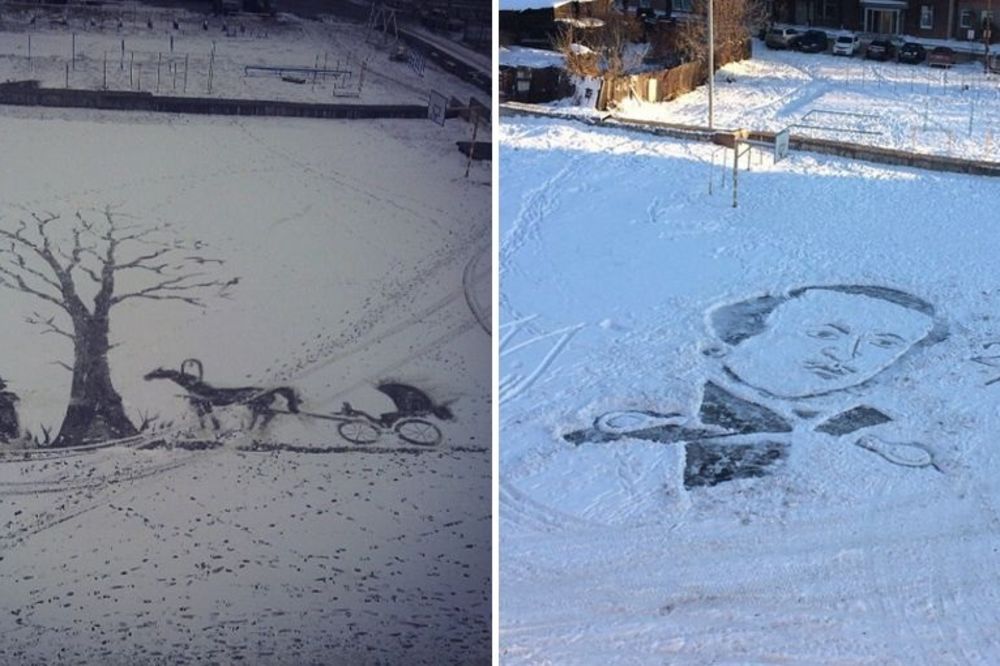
{"x": 67, "y": 75}
{"x": 105, "y": 70}
{"x": 73, "y": 51}
{"x": 736, "y": 168}
{"x": 29, "y": 51}
{"x": 711, "y": 64}
{"x": 185, "y": 73}
{"x": 472, "y": 146}
{"x": 159, "y": 61}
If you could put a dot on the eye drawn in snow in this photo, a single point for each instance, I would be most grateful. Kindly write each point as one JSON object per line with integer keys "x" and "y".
{"x": 793, "y": 362}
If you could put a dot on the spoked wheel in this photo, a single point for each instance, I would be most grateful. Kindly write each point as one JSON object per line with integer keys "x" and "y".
{"x": 358, "y": 432}
{"x": 418, "y": 431}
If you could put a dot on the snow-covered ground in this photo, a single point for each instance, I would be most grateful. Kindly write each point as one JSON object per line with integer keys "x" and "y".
{"x": 763, "y": 434}
{"x": 353, "y": 252}
{"x": 154, "y": 59}
{"x": 908, "y": 107}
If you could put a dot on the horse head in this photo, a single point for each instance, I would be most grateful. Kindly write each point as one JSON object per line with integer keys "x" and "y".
{"x": 160, "y": 373}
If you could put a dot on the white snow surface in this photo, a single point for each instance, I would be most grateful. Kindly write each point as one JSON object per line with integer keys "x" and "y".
{"x": 877, "y": 547}
{"x": 907, "y": 107}
{"x": 362, "y": 256}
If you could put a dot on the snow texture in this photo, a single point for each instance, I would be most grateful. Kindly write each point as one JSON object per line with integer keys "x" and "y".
{"x": 892, "y": 105}
{"x": 360, "y": 256}
{"x": 676, "y": 485}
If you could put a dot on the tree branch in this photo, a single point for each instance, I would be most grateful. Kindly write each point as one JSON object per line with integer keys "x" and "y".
{"x": 48, "y": 325}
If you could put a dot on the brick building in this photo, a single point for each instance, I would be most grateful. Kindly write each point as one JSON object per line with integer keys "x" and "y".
{"x": 932, "y": 19}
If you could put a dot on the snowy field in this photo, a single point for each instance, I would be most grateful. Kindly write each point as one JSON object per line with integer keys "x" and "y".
{"x": 907, "y": 107}
{"x": 349, "y": 253}
{"x": 752, "y": 435}
{"x": 155, "y": 59}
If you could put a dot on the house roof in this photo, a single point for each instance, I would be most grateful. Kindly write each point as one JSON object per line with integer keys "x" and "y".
{"x": 518, "y": 56}
{"x": 520, "y": 5}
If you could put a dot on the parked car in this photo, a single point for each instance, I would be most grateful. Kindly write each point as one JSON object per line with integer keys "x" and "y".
{"x": 781, "y": 38}
{"x": 912, "y": 53}
{"x": 812, "y": 41}
{"x": 879, "y": 49}
{"x": 941, "y": 56}
{"x": 846, "y": 45}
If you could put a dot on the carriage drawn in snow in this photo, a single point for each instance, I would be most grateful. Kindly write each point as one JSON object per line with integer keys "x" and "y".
{"x": 409, "y": 421}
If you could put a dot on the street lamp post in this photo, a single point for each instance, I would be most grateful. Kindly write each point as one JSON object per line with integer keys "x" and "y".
{"x": 711, "y": 63}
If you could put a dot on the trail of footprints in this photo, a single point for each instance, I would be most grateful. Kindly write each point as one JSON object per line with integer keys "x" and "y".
{"x": 252, "y": 558}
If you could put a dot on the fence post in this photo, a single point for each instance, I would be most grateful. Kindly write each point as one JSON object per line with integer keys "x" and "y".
{"x": 472, "y": 146}
{"x": 159, "y": 61}
{"x": 30, "y": 66}
{"x": 736, "y": 168}
{"x": 105, "y": 70}
{"x": 67, "y": 75}
{"x": 185, "y": 73}
{"x": 73, "y": 51}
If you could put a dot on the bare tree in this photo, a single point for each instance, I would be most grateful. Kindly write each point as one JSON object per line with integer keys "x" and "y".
{"x": 735, "y": 21}
{"x": 75, "y": 271}
{"x": 609, "y": 39}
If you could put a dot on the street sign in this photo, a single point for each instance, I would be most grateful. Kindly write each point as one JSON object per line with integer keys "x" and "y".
{"x": 781, "y": 144}
{"x": 437, "y": 107}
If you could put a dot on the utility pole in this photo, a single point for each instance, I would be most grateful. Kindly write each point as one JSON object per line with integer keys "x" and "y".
{"x": 987, "y": 34}
{"x": 711, "y": 63}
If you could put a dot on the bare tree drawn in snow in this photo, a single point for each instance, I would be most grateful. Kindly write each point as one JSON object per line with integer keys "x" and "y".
{"x": 74, "y": 268}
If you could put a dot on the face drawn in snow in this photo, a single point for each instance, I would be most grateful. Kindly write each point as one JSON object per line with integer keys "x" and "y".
{"x": 819, "y": 340}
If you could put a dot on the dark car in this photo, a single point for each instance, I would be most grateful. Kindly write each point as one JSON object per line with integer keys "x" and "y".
{"x": 879, "y": 49}
{"x": 812, "y": 41}
{"x": 781, "y": 38}
{"x": 912, "y": 53}
{"x": 941, "y": 56}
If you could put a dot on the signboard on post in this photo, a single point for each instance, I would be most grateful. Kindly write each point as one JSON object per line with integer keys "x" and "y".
{"x": 781, "y": 144}
{"x": 437, "y": 107}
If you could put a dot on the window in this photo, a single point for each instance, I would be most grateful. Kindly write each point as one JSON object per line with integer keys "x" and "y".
{"x": 926, "y": 17}
{"x": 965, "y": 20}
{"x": 682, "y": 5}
{"x": 830, "y": 10}
{"x": 987, "y": 19}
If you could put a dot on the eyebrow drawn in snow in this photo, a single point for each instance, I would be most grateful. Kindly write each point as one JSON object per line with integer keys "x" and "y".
{"x": 807, "y": 360}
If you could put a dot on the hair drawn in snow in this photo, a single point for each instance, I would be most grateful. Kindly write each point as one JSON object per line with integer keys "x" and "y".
{"x": 821, "y": 339}
{"x": 783, "y": 357}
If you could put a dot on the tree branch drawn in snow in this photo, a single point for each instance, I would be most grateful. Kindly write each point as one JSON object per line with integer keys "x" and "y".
{"x": 76, "y": 267}
{"x": 516, "y": 383}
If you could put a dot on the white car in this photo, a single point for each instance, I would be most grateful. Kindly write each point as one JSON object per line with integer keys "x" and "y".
{"x": 846, "y": 45}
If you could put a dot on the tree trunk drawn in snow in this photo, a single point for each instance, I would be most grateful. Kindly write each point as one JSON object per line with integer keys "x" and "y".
{"x": 75, "y": 269}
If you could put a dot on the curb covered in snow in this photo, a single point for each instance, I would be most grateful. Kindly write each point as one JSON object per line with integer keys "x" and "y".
{"x": 28, "y": 93}
{"x": 808, "y": 144}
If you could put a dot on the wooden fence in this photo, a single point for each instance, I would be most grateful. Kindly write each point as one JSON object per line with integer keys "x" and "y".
{"x": 665, "y": 84}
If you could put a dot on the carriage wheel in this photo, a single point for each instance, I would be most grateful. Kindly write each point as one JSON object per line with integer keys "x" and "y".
{"x": 418, "y": 431}
{"x": 358, "y": 432}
